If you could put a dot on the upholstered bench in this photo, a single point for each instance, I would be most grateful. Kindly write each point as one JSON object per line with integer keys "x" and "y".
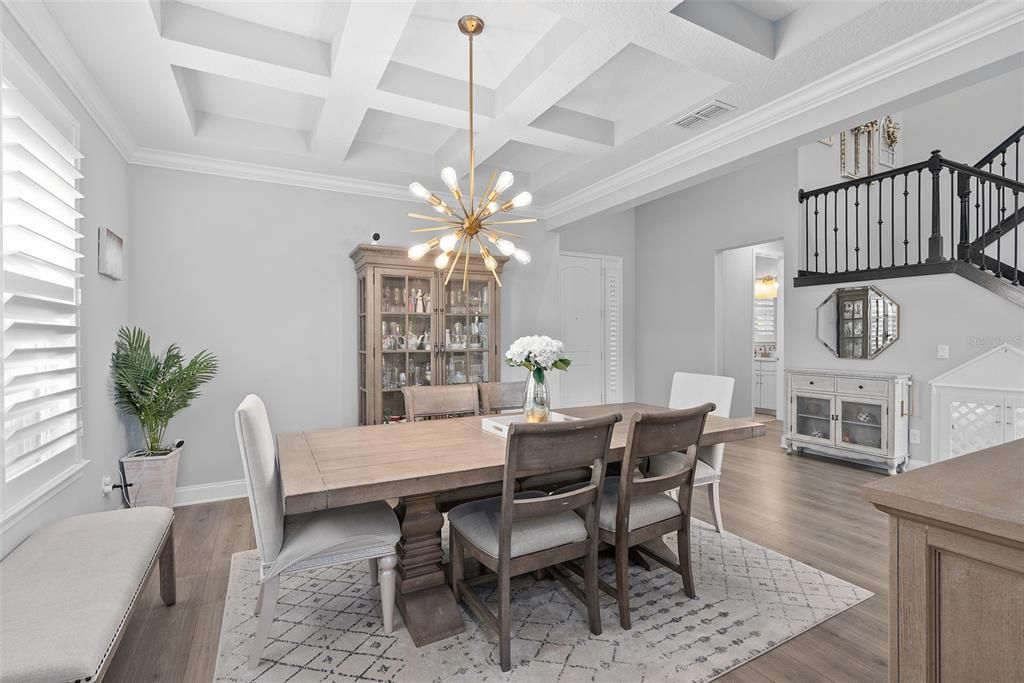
{"x": 67, "y": 592}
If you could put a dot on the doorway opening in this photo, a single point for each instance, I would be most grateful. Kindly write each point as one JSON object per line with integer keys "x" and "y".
{"x": 749, "y": 334}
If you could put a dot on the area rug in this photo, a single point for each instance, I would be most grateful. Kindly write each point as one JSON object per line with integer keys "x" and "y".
{"x": 749, "y": 600}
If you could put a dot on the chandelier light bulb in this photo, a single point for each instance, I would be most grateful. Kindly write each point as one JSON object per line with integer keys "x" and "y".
{"x": 449, "y": 241}
{"x": 505, "y": 246}
{"x": 440, "y": 208}
{"x": 522, "y": 256}
{"x": 505, "y": 180}
{"x": 489, "y": 261}
{"x": 451, "y": 179}
{"x": 419, "y": 191}
{"x": 418, "y": 251}
{"x": 522, "y": 199}
{"x": 442, "y": 260}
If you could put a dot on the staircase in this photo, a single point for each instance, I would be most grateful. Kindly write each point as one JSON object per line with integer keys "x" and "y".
{"x": 933, "y": 216}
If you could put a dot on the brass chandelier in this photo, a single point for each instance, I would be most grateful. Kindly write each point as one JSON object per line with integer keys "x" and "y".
{"x": 472, "y": 220}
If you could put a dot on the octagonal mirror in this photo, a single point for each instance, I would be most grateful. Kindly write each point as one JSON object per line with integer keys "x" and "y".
{"x": 858, "y": 322}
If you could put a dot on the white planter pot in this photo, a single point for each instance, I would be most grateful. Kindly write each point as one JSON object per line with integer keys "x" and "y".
{"x": 153, "y": 478}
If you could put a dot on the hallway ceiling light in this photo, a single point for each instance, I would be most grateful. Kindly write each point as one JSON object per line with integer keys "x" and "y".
{"x": 469, "y": 218}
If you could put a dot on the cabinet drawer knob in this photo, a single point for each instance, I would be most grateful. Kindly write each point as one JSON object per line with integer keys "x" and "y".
{"x": 860, "y": 386}
{"x": 811, "y": 382}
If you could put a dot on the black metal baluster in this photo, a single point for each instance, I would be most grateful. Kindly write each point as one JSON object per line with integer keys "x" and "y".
{"x": 979, "y": 192}
{"x": 824, "y": 231}
{"x": 999, "y": 234}
{"x": 880, "y": 243}
{"x": 892, "y": 221}
{"x": 867, "y": 224}
{"x": 920, "y": 239}
{"x": 835, "y": 229}
{"x": 906, "y": 219}
{"x": 1016, "y": 233}
{"x": 816, "y": 234}
{"x": 846, "y": 229}
{"x": 952, "y": 213}
{"x": 856, "y": 224}
{"x": 1002, "y": 164}
{"x": 964, "y": 192}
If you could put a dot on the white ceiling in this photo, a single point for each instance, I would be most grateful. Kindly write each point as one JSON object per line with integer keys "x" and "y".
{"x": 568, "y": 93}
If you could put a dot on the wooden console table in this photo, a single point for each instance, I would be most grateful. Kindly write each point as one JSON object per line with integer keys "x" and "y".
{"x": 956, "y": 567}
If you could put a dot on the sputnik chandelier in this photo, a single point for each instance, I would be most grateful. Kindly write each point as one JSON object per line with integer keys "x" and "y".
{"x": 473, "y": 219}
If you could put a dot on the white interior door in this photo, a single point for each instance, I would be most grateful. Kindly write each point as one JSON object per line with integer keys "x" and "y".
{"x": 583, "y": 331}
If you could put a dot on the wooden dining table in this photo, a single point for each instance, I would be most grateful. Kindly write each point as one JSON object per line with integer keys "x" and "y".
{"x": 414, "y": 462}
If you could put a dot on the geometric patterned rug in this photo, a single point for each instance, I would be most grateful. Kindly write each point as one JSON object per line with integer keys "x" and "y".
{"x": 749, "y": 599}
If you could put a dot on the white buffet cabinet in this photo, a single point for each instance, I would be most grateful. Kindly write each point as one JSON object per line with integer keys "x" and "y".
{"x": 860, "y": 416}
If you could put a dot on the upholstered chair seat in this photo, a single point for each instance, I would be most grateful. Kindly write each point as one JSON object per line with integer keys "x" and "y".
{"x": 480, "y": 523}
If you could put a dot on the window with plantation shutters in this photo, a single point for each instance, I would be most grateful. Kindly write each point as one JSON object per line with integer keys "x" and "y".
{"x": 40, "y": 287}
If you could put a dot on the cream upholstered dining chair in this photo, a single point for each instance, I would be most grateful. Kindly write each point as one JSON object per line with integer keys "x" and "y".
{"x": 498, "y": 397}
{"x": 431, "y": 403}
{"x": 516, "y": 534}
{"x": 636, "y": 509}
{"x": 688, "y": 390}
{"x": 294, "y": 543}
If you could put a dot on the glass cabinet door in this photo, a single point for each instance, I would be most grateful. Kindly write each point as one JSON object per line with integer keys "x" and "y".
{"x": 813, "y": 417}
{"x": 407, "y": 338}
{"x": 466, "y": 335}
{"x": 862, "y": 424}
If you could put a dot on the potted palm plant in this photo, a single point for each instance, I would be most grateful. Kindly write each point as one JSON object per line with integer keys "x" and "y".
{"x": 154, "y": 389}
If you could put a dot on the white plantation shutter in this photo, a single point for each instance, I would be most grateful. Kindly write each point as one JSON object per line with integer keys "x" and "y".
{"x": 613, "y": 336}
{"x": 40, "y": 286}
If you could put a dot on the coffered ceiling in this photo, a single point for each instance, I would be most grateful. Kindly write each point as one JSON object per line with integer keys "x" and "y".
{"x": 567, "y": 94}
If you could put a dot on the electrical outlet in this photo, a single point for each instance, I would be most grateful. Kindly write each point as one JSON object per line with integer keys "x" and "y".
{"x": 943, "y": 351}
{"x": 915, "y": 436}
{"x": 108, "y": 485}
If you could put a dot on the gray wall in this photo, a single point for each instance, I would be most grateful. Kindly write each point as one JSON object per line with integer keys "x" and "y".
{"x": 260, "y": 274}
{"x": 677, "y": 238}
{"x": 613, "y": 235}
{"x": 104, "y": 306}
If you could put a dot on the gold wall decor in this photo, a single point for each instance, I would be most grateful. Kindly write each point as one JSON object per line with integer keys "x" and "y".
{"x": 889, "y": 134}
{"x": 864, "y": 138}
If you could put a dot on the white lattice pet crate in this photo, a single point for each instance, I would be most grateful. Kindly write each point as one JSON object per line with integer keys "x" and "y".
{"x": 979, "y": 404}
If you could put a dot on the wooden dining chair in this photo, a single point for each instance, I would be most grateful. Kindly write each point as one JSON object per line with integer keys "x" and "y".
{"x": 294, "y": 543}
{"x": 499, "y": 397}
{"x": 517, "y": 534}
{"x": 440, "y": 402}
{"x": 635, "y": 509}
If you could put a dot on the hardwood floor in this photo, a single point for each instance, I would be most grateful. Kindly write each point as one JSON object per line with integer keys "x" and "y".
{"x": 808, "y": 508}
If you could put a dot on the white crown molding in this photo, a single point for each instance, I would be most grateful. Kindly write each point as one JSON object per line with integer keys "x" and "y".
{"x": 41, "y": 28}
{"x": 956, "y": 32}
{"x": 195, "y": 163}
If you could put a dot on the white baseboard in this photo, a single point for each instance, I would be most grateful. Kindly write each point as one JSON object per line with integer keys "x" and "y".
{"x": 914, "y": 464}
{"x": 208, "y": 493}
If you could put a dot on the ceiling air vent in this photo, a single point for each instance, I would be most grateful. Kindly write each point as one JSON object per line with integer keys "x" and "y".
{"x": 703, "y": 114}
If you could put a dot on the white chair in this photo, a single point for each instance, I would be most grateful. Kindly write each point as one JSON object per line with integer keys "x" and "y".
{"x": 295, "y": 543}
{"x": 689, "y": 390}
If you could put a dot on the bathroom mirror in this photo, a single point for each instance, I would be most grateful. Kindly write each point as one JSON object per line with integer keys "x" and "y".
{"x": 858, "y": 322}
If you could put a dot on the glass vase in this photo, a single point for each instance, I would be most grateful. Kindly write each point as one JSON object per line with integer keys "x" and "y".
{"x": 537, "y": 399}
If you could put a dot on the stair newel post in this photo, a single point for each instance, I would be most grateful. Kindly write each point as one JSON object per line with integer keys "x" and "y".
{"x": 807, "y": 244}
{"x": 935, "y": 239}
{"x": 963, "y": 186}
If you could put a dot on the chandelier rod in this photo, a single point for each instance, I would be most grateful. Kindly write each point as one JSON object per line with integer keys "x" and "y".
{"x": 472, "y": 146}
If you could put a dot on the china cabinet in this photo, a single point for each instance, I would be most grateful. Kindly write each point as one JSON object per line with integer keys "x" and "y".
{"x": 862, "y": 416}
{"x": 414, "y": 330}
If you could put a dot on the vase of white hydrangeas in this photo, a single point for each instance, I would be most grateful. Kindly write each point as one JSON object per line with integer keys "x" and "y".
{"x": 538, "y": 354}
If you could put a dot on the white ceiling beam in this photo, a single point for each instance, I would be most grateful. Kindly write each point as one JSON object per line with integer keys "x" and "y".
{"x": 362, "y": 53}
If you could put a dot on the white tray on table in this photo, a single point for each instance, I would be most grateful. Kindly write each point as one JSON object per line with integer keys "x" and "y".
{"x": 499, "y": 424}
